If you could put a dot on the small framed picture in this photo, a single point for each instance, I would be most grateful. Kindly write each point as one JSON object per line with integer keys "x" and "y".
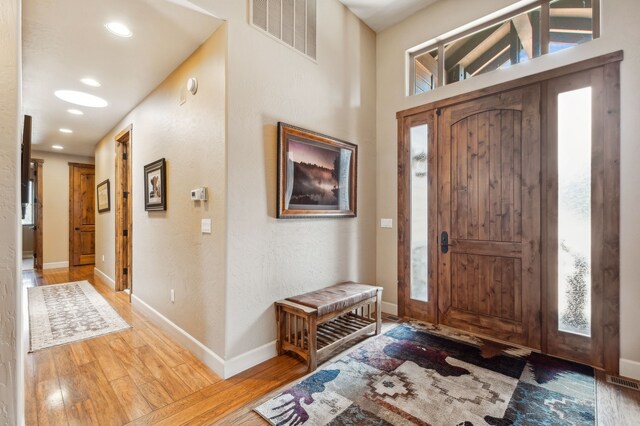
{"x": 155, "y": 186}
{"x": 103, "y": 192}
{"x": 317, "y": 174}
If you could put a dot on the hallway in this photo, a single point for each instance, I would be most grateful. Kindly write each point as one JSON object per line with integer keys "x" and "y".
{"x": 139, "y": 376}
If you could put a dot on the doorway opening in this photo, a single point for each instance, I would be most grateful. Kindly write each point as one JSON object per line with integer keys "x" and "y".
{"x": 124, "y": 223}
{"x": 82, "y": 218}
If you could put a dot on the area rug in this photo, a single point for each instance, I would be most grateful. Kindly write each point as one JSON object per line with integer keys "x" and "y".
{"x": 416, "y": 374}
{"x": 65, "y": 313}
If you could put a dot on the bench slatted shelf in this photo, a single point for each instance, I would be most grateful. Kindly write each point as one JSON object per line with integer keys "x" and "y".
{"x": 314, "y": 325}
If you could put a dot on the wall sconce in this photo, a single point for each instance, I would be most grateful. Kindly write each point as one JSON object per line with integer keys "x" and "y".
{"x": 192, "y": 85}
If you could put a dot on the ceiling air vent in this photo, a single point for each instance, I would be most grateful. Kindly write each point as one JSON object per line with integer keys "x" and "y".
{"x": 620, "y": 381}
{"x": 293, "y": 22}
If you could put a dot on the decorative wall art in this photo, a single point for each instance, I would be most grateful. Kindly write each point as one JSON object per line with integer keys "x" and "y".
{"x": 103, "y": 192}
{"x": 155, "y": 186}
{"x": 317, "y": 174}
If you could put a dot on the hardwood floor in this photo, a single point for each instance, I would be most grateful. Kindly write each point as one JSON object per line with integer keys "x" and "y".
{"x": 142, "y": 377}
{"x": 137, "y": 377}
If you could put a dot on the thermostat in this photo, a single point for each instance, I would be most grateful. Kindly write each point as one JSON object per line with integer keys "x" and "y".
{"x": 199, "y": 194}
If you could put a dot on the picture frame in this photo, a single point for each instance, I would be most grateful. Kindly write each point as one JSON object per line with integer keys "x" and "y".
{"x": 103, "y": 196}
{"x": 317, "y": 174}
{"x": 155, "y": 186}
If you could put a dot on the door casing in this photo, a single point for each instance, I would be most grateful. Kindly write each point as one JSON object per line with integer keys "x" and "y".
{"x": 608, "y": 266}
{"x": 124, "y": 222}
{"x": 38, "y": 252}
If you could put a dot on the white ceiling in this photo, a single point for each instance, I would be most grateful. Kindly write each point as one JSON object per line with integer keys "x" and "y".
{"x": 66, "y": 40}
{"x": 381, "y": 14}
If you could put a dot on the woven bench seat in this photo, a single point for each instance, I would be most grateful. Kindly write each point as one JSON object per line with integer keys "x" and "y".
{"x": 315, "y": 324}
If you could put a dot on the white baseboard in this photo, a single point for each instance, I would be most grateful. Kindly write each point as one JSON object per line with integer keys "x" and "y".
{"x": 248, "y": 359}
{"x": 204, "y": 354}
{"x": 390, "y": 308}
{"x": 55, "y": 265}
{"x": 630, "y": 369}
{"x": 105, "y": 278}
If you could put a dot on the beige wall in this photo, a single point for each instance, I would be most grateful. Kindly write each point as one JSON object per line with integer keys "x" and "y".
{"x": 105, "y": 157}
{"x": 269, "y": 259}
{"x": 169, "y": 252}
{"x": 619, "y": 31}
{"x": 55, "y": 208}
{"x": 11, "y": 389}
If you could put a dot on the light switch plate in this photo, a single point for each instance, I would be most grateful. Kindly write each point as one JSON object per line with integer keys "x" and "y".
{"x": 386, "y": 223}
{"x": 205, "y": 226}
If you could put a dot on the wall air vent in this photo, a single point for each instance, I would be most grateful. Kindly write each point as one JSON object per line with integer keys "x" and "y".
{"x": 293, "y": 22}
{"x": 620, "y": 381}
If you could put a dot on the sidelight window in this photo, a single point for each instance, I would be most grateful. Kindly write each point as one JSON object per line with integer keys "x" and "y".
{"x": 419, "y": 135}
{"x": 574, "y": 211}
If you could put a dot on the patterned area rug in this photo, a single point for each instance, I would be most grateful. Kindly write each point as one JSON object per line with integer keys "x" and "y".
{"x": 66, "y": 313}
{"x": 419, "y": 374}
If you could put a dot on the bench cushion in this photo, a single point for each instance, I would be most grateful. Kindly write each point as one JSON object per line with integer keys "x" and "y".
{"x": 336, "y": 297}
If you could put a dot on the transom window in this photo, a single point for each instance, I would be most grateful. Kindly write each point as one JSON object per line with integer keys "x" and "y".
{"x": 539, "y": 28}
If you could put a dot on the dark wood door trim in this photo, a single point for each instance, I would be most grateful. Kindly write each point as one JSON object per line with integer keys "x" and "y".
{"x": 38, "y": 251}
{"x": 608, "y": 178}
{"x": 123, "y": 217}
{"x": 520, "y": 82}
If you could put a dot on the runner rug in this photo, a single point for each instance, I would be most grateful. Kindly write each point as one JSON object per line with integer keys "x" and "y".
{"x": 419, "y": 374}
{"x": 65, "y": 313}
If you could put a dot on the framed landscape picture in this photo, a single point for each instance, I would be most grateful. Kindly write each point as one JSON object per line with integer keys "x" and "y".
{"x": 317, "y": 174}
{"x": 103, "y": 192}
{"x": 155, "y": 186}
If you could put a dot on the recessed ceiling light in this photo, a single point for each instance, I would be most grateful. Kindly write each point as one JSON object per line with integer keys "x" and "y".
{"x": 75, "y": 112}
{"x": 119, "y": 29}
{"x": 65, "y": 130}
{"x": 91, "y": 82}
{"x": 81, "y": 98}
{"x": 57, "y": 147}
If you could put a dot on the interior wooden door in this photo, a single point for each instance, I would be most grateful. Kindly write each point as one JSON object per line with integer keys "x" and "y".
{"x": 489, "y": 216}
{"x": 81, "y": 214}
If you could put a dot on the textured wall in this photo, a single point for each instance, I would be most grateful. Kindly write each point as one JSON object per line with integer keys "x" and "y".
{"x": 10, "y": 364}
{"x": 619, "y": 31}
{"x": 55, "y": 241}
{"x": 169, "y": 252}
{"x": 105, "y": 160}
{"x": 269, "y": 259}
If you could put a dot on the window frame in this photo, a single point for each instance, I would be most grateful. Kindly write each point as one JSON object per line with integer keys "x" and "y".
{"x": 545, "y": 23}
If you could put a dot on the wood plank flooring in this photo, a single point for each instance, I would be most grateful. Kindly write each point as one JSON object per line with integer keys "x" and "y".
{"x": 142, "y": 377}
{"x": 138, "y": 377}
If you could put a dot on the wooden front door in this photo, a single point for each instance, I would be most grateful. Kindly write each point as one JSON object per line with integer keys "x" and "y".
{"x": 82, "y": 223}
{"x": 489, "y": 216}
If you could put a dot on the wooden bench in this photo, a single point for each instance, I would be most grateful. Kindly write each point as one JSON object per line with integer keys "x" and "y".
{"x": 314, "y": 325}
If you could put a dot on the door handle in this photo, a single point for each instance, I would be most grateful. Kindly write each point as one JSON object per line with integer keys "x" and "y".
{"x": 444, "y": 242}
